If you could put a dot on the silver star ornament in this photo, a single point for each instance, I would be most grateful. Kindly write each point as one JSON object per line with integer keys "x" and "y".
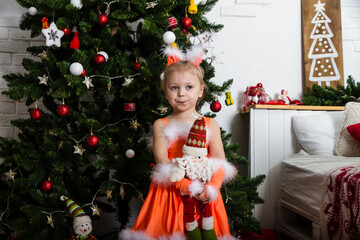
{"x": 43, "y": 54}
{"x": 88, "y": 82}
{"x": 43, "y": 80}
{"x": 79, "y": 150}
{"x": 128, "y": 81}
{"x": 96, "y": 210}
{"x": 10, "y": 175}
{"x": 52, "y": 35}
{"x": 151, "y": 4}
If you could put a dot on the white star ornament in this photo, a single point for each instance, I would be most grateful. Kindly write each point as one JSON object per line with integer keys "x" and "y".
{"x": 52, "y": 35}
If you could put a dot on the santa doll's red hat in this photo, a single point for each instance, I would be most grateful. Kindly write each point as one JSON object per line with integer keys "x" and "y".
{"x": 196, "y": 142}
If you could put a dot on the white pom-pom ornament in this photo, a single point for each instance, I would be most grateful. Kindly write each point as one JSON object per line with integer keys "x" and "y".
{"x": 130, "y": 153}
{"x": 76, "y": 3}
{"x": 76, "y": 68}
{"x": 32, "y": 11}
{"x": 106, "y": 56}
{"x": 169, "y": 37}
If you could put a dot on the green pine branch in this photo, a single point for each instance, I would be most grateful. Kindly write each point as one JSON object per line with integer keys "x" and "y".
{"x": 329, "y": 96}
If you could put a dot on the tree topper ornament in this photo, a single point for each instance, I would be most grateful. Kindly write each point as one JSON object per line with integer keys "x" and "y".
{"x": 52, "y": 35}
{"x": 82, "y": 222}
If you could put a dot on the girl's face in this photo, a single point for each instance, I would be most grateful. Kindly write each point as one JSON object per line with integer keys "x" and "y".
{"x": 182, "y": 90}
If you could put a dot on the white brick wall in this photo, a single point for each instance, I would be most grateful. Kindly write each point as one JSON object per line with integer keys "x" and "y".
{"x": 13, "y": 44}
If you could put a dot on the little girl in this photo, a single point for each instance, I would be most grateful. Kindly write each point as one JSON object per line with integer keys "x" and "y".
{"x": 161, "y": 216}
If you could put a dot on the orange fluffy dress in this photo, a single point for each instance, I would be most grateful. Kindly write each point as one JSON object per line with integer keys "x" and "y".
{"x": 161, "y": 215}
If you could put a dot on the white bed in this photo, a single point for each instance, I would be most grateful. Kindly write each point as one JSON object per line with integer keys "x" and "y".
{"x": 301, "y": 183}
{"x": 302, "y": 176}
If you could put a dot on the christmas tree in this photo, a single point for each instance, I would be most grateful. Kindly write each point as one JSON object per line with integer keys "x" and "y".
{"x": 93, "y": 92}
{"x": 322, "y": 50}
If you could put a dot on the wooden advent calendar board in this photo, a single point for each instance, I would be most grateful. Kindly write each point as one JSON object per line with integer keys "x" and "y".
{"x": 322, "y": 39}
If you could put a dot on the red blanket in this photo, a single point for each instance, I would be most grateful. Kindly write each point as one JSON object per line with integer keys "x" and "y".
{"x": 340, "y": 213}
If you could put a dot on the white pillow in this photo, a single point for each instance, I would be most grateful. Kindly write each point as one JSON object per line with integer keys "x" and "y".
{"x": 318, "y": 133}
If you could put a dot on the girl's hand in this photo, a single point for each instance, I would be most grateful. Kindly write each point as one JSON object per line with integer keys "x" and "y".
{"x": 202, "y": 197}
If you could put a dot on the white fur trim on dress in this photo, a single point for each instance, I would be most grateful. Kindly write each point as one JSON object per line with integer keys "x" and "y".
{"x": 212, "y": 193}
{"x": 161, "y": 174}
{"x": 229, "y": 169}
{"x": 129, "y": 234}
{"x": 191, "y": 225}
{"x": 195, "y": 188}
{"x": 207, "y": 223}
{"x": 194, "y": 151}
{"x": 176, "y": 130}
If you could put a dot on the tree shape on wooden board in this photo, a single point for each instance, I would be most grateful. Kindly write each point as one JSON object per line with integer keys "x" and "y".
{"x": 322, "y": 50}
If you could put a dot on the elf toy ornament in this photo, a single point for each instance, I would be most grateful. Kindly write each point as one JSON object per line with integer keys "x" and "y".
{"x": 82, "y": 222}
{"x": 196, "y": 166}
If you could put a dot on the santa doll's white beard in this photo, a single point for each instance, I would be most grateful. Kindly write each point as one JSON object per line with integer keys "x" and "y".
{"x": 201, "y": 169}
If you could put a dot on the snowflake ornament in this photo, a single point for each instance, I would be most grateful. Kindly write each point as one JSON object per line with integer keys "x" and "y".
{"x": 52, "y": 35}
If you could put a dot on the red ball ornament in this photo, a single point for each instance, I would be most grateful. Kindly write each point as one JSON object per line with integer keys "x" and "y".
{"x": 92, "y": 141}
{"x": 103, "y": 19}
{"x": 63, "y": 110}
{"x": 136, "y": 66}
{"x": 66, "y": 31}
{"x": 99, "y": 59}
{"x": 186, "y": 22}
{"x": 83, "y": 73}
{"x": 36, "y": 114}
{"x": 46, "y": 186}
{"x": 129, "y": 107}
{"x": 172, "y": 23}
{"x": 215, "y": 106}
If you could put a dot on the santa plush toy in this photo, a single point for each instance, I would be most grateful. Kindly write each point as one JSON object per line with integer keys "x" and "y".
{"x": 196, "y": 166}
{"x": 253, "y": 93}
{"x": 284, "y": 98}
{"x": 82, "y": 222}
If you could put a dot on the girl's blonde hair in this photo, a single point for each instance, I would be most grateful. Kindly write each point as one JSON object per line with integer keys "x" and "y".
{"x": 183, "y": 66}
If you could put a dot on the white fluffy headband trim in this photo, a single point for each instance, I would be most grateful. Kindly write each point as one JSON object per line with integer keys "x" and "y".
{"x": 193, "y": 55}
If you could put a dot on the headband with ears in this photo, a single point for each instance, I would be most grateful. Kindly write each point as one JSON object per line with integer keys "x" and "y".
{"x": 193, "y": 55}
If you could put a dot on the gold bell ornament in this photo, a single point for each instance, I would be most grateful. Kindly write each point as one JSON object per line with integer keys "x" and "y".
{"x": 192, "y": 9}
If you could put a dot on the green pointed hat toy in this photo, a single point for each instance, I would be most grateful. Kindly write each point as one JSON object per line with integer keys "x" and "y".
{"x": 76, "y": 212}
